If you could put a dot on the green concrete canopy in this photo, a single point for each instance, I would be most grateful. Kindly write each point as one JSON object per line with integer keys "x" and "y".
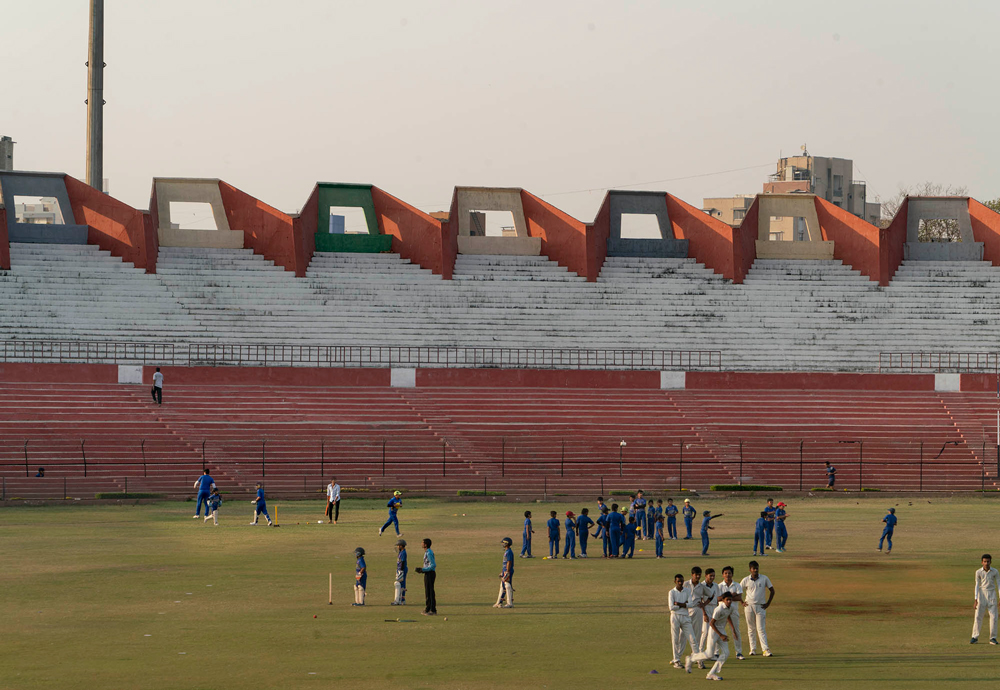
{"x": 337, "y": 194}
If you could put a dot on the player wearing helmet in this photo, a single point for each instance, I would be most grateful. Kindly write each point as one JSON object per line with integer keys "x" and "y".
{"x": 401, "y": 571}
{"x": 360, "y": 577}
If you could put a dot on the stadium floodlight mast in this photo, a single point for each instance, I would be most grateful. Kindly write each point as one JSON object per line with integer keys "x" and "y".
{"x": 621, "y": 450}
{"x": 95, "y": 97}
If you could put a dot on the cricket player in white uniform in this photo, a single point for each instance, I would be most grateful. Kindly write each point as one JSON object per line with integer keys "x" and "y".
{"x": 696, "y": 596}
{"x": 986, "y": 598}
{"x": 718, "y": 641}
{"x": 733, "y": 588}
{"x": 680, "y": 620}
{"x": 711, "y": 592}
{"x": 754, "y": 587}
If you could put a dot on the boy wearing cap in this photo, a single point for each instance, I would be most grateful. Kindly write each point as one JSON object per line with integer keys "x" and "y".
{"x": 570, "y": 548}
{"x": 779, "y": 525}
{"x": 987, "y": 582}
{"x": 688, "y": 512}
{"x": 671, "y": 514}
{"x": 890, "y": 525}
{"x": 401, "y": 570}
{"x": 769, "y": 522}
{"x": 583, "y": 524}
{"x": 526, "y": 536}
{"x": 360, "y": 577}
{"x": 553, "y": 525}
{"x": 506, "y": 576}
{"x": 393, "y": 505}
{"x": 707, "y": 517}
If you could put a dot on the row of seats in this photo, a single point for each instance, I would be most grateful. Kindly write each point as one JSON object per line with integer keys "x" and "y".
{"x": 787, "y": 316}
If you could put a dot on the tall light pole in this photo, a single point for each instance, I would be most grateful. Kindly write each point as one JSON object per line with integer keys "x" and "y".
{"x": 95, "y": 97}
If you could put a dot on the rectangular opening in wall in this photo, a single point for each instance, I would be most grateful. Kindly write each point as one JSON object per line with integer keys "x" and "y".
{"x": 640, "y": 226}
{"x": 492, "y": 224}
{"x": 788, "y": 229}
{"x": 37, "y": 210}
{"x": 939, "y": 230}
{"x": 192, "y": 215}
{"x": 348, "y": 220}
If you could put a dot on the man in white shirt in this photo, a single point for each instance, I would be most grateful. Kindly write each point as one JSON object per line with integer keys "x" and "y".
{"x": 680, "y": 621}
{"x": 733, "y": 588}
{"x": 696, "y": 597}
{"x": 333, "y": 501}
{"x": 718, "y": 641}
{"x": 987, "y": 579}
{"x": 158, "y": 387}
{"x": 754, "y": 587}
{"x": 711, "y": 592}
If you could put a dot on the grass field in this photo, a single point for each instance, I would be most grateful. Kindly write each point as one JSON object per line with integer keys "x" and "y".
{"x": 146, "y": 597}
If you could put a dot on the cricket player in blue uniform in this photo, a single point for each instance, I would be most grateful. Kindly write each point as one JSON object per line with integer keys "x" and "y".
{"x": 570, "y": 549}
{"x": 602, "y": 530}
{"x": 553, "y": 525}
{"x": 758, "y": 533}
{"x": 583, "y": 524}
{"x": 631, "y": 530}
{"x": 214, "y": 501}
{"x": 707, "y": 517}
{"x": 890, "y": 525}
{"x": 640, "y": 512}
{"x": 671, "y": 513}
{"x": 526, "y": 536}
{"x": 360, "y": 577}
{"x": 393, "y": 505}
{"x": 261, "y": 506}
{"x": 401, "y": 570}
{"x": 779, "y": 525}
{"x": 204, "y": 484}
{"x": 616, "y": 525}
{"x": 658, "y": 522}
{"x": 689, "y": 512}
{"x": 650, "y": 520}
{"x": 769, "y": 509}
{"x": 506, "y": 576}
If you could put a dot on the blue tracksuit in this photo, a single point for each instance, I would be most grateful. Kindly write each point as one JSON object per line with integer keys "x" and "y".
{"x": 640, "y": 514}
{"x": 650, "y": 521}
{"x": 631, "y": 530}
{"x": 393, "y": 506}
{"x": 583, "y": 524}
{"x": 553, "y": 525}
{"x": 659, "y": 539}
{"x": 779, "y": 526}
{"x": 570, "y": 538}
{"x": 758, "y": 536}
{"x": 616, "y": 525}
{"x": 205, "y": 482}
{"x": 526, "y": 538}
{"x": 769, "y": 523}
{"x": 671, "y": 512}
{"x": 602, "y": 530}
{"x": 261, "y": 506}
{"x": 704, "y": 533}
{"x": 890, "y": 525}
{"x": 689, "y": 512}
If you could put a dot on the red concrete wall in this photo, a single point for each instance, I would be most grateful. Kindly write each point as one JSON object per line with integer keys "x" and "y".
{"x": 268, "y": 376}
{"x": 26, "y": 372}
{"x": 564, "y": 238}
{"x": 415, "y": 235}
{"x": 266, "y": 230}
{"x": 890, "y": 244}
{"x": 450, "y": 238}
{"x": 533, "y": 378}
{"x": 113, "y": 225}
{"x": 304, "y": 228}
{"x": 979, "y": 383}
{"x": 856, "y": 242}
{"x": 598, "y": 234}
{"x": 710, "y": 241}
{"x": 731, "y": 380}
{"x": 745, "y": 242}
{"x": 4, "y": 241}
{"x": 986, "y": 229}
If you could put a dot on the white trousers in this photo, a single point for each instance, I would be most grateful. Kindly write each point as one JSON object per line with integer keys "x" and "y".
{"x": 756, "y": 623}
{"x": 706, "y": 628}
{"x": 697, "y": 625}
{"x": 715, "y": 646}
{"x": 981, "y": 610}
{"x": 735, "y": 617}
{"x": 505, "y": 589}
{"x": 681, "y": 632}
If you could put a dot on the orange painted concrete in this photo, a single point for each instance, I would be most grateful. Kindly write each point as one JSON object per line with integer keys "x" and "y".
{"x": 269, "y": 376}
{"x": 113, "y": 225}
{"x": 266, "y": 230}
{"x": 891, "y": 242}
{"x": 564, "y": 238}
{"x": 4, "y": 241}
{"x": 745, "y": 242}
{"x": 986, "y": 229}
{"x": 304, "y": 228}
{"x": 534, "y": 378}
{"x": 598, "y": 234}
{"x": 856, "y": 242}
{"x": 979, "y": 383}
{"x": 415, "y": 235}
{"x": 710, "y": 241}
{"x": 25, "y": 372}
{"x": 730, "y": 380}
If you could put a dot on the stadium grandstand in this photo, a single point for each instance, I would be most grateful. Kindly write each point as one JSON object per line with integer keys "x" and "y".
{"x": 438, "y": 354}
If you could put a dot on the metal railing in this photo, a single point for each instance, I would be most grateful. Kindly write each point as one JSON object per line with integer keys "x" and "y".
{"x": 231, "y": 354}
{"x": 939, "y": 362}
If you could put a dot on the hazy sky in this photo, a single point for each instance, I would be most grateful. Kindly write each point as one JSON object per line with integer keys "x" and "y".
{"x": 553, "y": 96}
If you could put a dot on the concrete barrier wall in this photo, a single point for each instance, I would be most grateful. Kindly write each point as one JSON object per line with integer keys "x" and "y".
{"x": 265, "y": 229}
{"x": 563, "y": 238}
{"x": 503, "y": 246}
{"x": 710, "y": 241}
{"x": 794, "y": 250}
{"x": 198, "y": 190}
{"x": 304, "y": 227}
{"x": 985, "y": 224}
{"x": 217, "y": 239}
{"x": 415, "y": 235}
{"x": 855, "y": 242}
{"x": 113, "y": 225}
{"x": 489, "y": 199}
{"x": 892, "y": 241}
{"x": 4, "y": 243}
